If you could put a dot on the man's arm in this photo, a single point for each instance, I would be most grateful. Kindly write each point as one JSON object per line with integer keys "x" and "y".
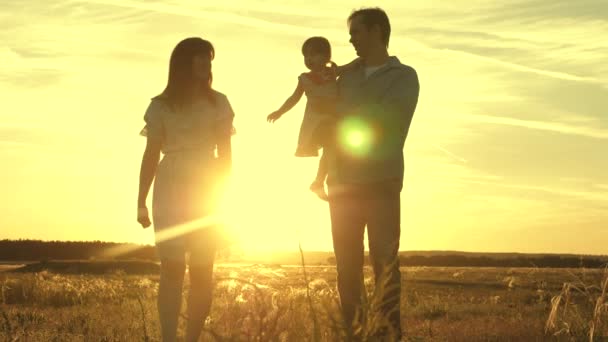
{"x": 390, "y": 115}
{"x": 399, "y": 102}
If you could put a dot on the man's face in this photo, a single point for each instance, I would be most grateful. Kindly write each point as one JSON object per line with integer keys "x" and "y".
{"x": 361, "y": 38}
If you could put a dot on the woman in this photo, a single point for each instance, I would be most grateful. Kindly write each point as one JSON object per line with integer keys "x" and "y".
{"x": 191, "y": 124}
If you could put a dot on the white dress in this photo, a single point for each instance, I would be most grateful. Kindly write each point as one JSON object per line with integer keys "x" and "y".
{"x": 185, "y": 178}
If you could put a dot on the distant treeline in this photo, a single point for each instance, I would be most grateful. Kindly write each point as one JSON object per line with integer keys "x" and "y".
{"x": 552, "y": 261}
{"x": 542, "y": 261}
{"x": 36, "y": 250}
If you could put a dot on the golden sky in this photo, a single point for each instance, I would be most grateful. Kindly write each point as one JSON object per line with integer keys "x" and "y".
{"x": 507, "y": 149}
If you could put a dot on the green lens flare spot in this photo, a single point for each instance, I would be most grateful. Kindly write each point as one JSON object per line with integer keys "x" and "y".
{"x": 355, "y": 139}
{"x": 355, "y": 136}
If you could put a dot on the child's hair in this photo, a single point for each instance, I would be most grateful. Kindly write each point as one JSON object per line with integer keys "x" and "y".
{"x": 318, "y": 45}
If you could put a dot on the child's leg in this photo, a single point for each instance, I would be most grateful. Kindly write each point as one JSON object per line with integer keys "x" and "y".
{"x": 318, "y": 185}
{"x": 322, "y": 169}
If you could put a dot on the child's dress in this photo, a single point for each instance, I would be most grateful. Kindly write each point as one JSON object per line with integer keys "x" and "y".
{"x": 321, "y": 96}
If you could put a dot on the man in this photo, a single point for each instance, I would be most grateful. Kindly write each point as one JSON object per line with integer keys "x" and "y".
{"x": 377, "y": 99}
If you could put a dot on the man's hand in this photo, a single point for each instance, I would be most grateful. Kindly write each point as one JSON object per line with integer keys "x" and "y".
{"x": 332, "y": 69}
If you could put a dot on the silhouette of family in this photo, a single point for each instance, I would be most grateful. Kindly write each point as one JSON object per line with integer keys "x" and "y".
{"x": 357, "y": 114}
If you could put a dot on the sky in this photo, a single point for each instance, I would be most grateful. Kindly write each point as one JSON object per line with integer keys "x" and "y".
{"x": 506, "y": 152}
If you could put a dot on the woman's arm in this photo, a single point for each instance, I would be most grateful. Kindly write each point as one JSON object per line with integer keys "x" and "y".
{"x": 288, "y": 105}
{"x": 224, "y": 152}
{"x": 224, "y": 131}
{"x": 223, "y": 167}
{"x": 149, "y": 164}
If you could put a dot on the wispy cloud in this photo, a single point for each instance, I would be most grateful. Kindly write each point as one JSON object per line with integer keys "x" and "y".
{"x": 452, "y": 155}
{"x": 285, "y": 27}
{"x": 211, "y": 15}
{"x": 557, "y": 127}
{"x": 528, "y": 69}
{"x": 596, "y": 197}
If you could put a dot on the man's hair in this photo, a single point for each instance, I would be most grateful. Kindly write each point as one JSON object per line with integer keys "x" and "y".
{"x": 374, "y": 16}
{"x": 317, "y": 45}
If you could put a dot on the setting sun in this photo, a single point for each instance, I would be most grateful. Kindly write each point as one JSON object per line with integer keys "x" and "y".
{"x": 299, "y": 170}
{"x": 508, "y": 139}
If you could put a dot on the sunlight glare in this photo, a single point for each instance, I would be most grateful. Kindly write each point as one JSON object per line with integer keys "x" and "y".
{"x": 355, "y": 136}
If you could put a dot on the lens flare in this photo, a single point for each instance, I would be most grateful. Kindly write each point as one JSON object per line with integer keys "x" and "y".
{"x": 355, "y": 136}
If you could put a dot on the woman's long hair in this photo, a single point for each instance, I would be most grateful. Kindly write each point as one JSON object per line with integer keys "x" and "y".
{"x": 181, "y": 85}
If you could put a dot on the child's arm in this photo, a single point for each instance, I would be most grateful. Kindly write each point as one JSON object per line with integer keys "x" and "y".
{"x": 289, "y": 104}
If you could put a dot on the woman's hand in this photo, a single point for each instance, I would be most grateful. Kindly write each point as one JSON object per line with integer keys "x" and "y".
{"x": 143, "y": 217}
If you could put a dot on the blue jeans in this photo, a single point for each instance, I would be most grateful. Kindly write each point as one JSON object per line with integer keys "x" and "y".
{"x": 376, "y": 206}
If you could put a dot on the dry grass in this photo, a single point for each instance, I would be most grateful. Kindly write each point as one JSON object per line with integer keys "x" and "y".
{"x": 260, "y": 303}
{"x": 580, "y": 311}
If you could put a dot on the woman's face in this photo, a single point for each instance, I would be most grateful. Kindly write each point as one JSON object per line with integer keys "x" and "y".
{"x": 201, "y": 67}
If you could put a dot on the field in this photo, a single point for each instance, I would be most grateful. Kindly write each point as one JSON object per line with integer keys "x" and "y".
{"x": 271, "y": 303}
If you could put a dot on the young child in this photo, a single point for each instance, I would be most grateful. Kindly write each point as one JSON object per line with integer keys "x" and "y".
{"x": 320, "y": 88}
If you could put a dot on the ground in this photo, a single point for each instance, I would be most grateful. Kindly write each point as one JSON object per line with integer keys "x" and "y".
{"x": 271, "y": 303}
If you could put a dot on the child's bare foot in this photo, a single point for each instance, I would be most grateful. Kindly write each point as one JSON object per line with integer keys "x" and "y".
{"x": 319, "y": 189}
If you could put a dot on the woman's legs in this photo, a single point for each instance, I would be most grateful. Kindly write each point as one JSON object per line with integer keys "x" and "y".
{"x": 199, "y": 299}
{"x": 170, "y": 297}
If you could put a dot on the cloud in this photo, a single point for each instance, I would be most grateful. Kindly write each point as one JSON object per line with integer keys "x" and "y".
{"x": 33, "y": 138}
{"x": 524, "y": 68}
{"x": 285, "y": 27}
{"x": 597, "y": 197}
{"x": 32, "y": 78}
{"x": 558, "y": 40}
{"x": 221, "y": 16}
{"x": 450, "y": 154}
{"x": 41, "y": 45}
{"x": 17, "y": 70}
{"x": 582, "y": 10}
{"x": 557, "y": 127}
{"x": 528, "y": 56}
